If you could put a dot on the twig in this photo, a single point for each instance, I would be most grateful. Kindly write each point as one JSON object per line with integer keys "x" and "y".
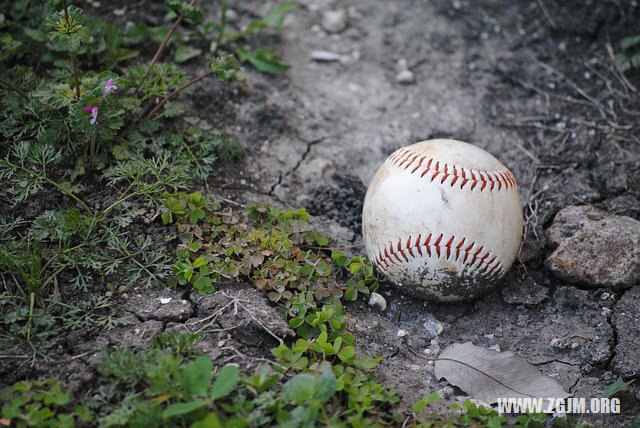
{"x": 620, "y": 72}
{"x": 176, "y": 92}
{"x": 552, "y": 21}
{"x": 253, "y": 317}
{"x": 241, "y": 355}
{"x": 14, "y": 88}
{"x": 175, "y": 26}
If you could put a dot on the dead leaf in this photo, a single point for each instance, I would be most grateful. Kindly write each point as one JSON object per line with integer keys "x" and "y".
{"x": 487, "y": 375}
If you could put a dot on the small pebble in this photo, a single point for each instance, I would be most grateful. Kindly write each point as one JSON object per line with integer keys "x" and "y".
{"x": 165, "y": 300}
{"x": 232, "y": 15}
{"x": 406, "y": 77}
{"x": 401, "y": 333}
{"x": 377, "y": 300}
{"x": 119, "y": 12}
{"x": 325, "y": 56}
{"x": 334, "y": 21}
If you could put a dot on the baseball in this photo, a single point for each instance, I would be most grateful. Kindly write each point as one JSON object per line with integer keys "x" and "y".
{"x": 442, "y": 220}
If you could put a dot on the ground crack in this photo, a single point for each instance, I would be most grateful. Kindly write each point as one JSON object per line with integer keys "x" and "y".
{"x": 614, "y": 329}
{"x": 297, "y": 165}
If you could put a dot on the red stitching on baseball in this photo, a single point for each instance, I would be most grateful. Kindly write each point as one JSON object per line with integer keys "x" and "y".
{"x": 492, "y": 179}
{"x": 486, "y": 263}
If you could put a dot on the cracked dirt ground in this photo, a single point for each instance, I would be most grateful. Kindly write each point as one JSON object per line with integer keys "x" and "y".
{"x": 493, "y": 73}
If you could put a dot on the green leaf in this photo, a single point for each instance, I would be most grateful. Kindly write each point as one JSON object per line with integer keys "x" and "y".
{"x": 426, "y": 400}
{"x": 275, "y": 17}
{"x": 366, "y": 362}
{"x": 225, "y": 382}
{"x": 185, "y": 53}
{"x": 616, "y": 387}
{"x": 322, "y": 338}
{"x": 264, "y": 60}
{"x": 355, "y": 267}
{"x": 346, "y": 353}
{"x": 351, "y": 294}
{"x": 196, "y": 376}
{"x": 327, "y": 385}
{"x": 210, "y": 421}
{"x": 200, "y": 261}
{"x": 179, "y": 409}
{"x": 299, "y": 388}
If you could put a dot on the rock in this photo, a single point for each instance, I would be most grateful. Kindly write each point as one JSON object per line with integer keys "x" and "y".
{"x": 401, "y": 333}
{"x": 334, "y": 21}
{"x": 406, "y": 77}
{"x": 595, "y": 248}
{"x": 525, "y": 292}
{"x": 433, "y": 327}
{"x": 376, "y": 299}
{"x": 625, "y": 318}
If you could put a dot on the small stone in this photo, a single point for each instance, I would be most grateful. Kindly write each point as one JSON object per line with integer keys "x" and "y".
{"x": 489, "y": 336}
{"x": 495, "y": 347}
{"x": 165, "y": 300}
{"x": 605, "y": 296}
{"x": 376, "y": 299}
{"x": 588, "y": 240}
{"x": 120, "y": 12}
{"x": 401, "y": 333}
{"x": 232, "y": 15}
{"x": 325, "y": 56}
{"x": 406, "y": 77}
{"x": 433, "y": 326}
{"x": 213, "y": 46}
{"x": 334, "y": 21}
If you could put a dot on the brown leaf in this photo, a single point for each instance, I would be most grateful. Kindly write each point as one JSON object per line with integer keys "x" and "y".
{"x": 487, "y": 375}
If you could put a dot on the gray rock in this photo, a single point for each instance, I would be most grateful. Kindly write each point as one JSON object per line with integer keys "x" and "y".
{"x": 334, "y": 21}
{"x": 595, "y": 248}
{"x": 625, "y": 318}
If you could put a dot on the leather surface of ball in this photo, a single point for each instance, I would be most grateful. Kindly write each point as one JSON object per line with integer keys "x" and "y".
{"x": 442, "y": 219}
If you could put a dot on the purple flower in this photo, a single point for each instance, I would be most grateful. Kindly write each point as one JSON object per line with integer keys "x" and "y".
{"x": 87, "y": 109}
{"x": 94, "y": 114}
{"x": 108, "y": 88}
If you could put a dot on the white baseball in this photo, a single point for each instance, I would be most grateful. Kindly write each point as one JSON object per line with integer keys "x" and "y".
{"x": 442, "y": 219}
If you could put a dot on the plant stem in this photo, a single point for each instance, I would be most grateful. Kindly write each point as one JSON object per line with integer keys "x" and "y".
{"x": 164, "y": 43}
{"x": 74, "y": 64}
{"x": 14, "y": 88}
{"x": 76, "y": 77}
{"x": 68, "y": 193}
{"x": 92, "y": 150}
{"x": 176, "y": 92}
